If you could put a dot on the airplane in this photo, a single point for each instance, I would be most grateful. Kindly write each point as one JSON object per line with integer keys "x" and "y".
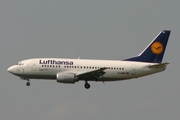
{"x": 69, "y": 71}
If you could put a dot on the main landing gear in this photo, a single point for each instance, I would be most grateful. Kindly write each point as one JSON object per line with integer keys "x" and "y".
{"x": 28, "y": 83}
{"x": 87, "y": 85}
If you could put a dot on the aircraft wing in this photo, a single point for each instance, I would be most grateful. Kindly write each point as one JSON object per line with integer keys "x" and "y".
{"x": 91, "y": 75}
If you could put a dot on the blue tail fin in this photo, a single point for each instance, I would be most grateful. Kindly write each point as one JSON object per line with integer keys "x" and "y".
{"x": 154, "y": 52}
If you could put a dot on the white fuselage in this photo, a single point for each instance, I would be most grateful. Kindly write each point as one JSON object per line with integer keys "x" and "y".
{"x": 47, "y": 68}
{"x": 72, "y": 70}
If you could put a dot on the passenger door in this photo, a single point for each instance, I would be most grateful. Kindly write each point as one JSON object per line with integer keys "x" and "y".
{"x": 133, "y": 69}
{"x": 34, "y": 65}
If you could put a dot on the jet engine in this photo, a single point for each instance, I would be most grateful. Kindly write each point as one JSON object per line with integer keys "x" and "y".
{"x": 66, "y": 78}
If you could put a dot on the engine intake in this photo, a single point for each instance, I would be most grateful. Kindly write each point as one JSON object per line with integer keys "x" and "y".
{"x": 66, "y": 78}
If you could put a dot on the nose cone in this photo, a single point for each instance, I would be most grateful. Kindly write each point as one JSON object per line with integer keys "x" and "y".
{"x": 11, "y": 69}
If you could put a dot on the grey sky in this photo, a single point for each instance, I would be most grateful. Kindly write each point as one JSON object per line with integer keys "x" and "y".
{"x": 97, "y": 29}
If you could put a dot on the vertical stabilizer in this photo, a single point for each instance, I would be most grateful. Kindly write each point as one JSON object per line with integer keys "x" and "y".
{"x": 154, "y": 52}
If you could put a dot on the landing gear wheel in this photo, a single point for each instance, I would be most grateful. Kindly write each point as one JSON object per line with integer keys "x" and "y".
{"x": 28, "y": 83}
{"x": 87, "y": 85}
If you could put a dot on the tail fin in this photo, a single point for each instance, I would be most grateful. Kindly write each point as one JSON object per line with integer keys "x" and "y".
{"x": 154, "y": 52}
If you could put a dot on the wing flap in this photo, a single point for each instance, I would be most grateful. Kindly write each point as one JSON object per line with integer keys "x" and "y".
{"x": 93, "y": 74}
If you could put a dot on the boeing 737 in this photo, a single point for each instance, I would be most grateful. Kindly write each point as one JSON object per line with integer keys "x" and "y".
{"x": 63, "y": 70}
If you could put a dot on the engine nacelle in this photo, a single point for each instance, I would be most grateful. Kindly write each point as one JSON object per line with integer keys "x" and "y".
{"x": 66, "y": 78}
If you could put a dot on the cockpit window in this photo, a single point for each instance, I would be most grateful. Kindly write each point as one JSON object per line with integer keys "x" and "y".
{"x": 20, "y": 63}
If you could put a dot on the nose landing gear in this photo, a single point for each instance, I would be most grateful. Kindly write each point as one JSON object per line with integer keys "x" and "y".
{"x": 28, "y": 81}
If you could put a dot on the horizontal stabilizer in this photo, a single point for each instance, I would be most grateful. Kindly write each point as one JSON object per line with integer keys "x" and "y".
{"x": 159, "y": 65}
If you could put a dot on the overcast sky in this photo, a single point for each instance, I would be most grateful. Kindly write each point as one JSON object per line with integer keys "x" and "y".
{"x": 91, "y": 29}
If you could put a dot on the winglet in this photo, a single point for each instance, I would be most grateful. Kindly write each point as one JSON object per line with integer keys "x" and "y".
{"x": 154, "y": 52}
